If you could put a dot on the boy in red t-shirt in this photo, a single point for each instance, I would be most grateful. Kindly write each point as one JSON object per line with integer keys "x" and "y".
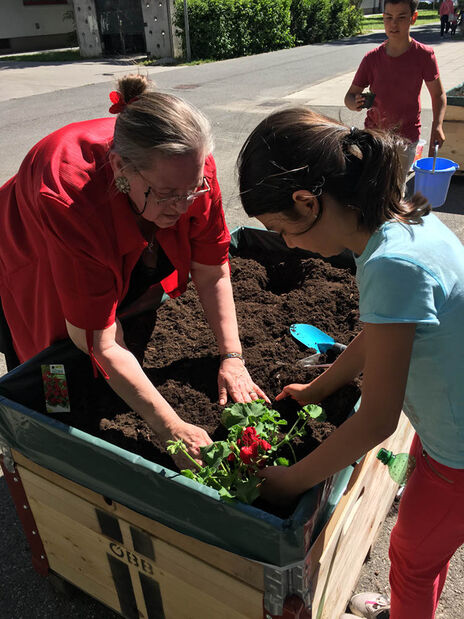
{"x": 394, "y": 71}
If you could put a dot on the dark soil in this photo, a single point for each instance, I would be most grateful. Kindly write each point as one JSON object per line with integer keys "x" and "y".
{"x": 181, "y": 356}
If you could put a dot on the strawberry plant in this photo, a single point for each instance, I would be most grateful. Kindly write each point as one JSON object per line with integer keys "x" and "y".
{"x": 254, "y": 440}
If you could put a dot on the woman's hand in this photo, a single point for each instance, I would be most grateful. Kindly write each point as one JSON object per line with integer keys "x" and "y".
{"x": 233, "y": 378}
{"x": 193, "y": 437}
{"x": 279, "y": 484}
{"x": 301, "y": 393}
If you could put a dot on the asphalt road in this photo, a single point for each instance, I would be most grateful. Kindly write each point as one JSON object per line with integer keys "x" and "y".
{"x": 235, "y": 95}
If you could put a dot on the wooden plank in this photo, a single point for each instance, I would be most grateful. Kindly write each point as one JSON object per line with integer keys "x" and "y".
{"x": 453, "y": 147}
{"x": 247, "y": 571}
{"x": 453, "y": 127}
{"x": 93, "y": 555}
{"x": 336, "y": 558}
{"x": 455, "y": 112}
{"x": 69, "y": 571}
{"x": 183, "y": 566}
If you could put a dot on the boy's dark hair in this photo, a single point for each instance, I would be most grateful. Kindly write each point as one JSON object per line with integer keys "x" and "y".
{"x": 413, "y": 4}
{"x": 296, "y": 148}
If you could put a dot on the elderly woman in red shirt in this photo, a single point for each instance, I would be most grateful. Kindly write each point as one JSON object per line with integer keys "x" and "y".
{"x": 99, "y": 213}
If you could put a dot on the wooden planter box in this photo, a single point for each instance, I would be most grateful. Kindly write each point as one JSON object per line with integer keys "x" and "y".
{"x": 142, "y": 568}
{"x": 148, "y": 542}
{"x": 453, "y": 126}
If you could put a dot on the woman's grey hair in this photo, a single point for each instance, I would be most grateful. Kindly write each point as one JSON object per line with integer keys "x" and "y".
{"x": 154, "y": 123}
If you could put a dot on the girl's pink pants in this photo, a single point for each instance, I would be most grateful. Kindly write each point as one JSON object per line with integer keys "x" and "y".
{"x": 429, "y": 530}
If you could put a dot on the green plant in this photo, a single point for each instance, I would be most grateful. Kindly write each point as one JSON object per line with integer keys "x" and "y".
{"x": 222, "y": 29}
{"x": 317, "y": 16}
{"x": 314, "y": 21}
{"x": 254, "y": 440}
{"x": 299, "y": 20}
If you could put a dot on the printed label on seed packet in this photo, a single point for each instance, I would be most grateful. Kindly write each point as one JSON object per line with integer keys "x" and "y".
{"x": 55, "y": 388}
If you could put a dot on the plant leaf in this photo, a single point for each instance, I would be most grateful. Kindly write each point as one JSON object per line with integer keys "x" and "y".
{"x": 213, "y": 454}
{"x": 225, "y": 494}
{"x": 248, "y": 490}
{"x": 233, "y": 416}
{"x": 173, "y": 447}
{"x": 315, "y": 412}
{"x": 242, "y": 412}
{"x": 188, "y": 473}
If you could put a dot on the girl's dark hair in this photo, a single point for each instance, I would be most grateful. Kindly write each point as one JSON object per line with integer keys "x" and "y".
{"x": 296, "y": 149}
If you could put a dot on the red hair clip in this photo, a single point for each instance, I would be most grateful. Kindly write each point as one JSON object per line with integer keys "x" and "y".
{"x": 118, "y": 102}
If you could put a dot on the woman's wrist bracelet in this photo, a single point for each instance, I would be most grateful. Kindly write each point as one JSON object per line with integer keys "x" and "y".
{"x": 233, "y": 355}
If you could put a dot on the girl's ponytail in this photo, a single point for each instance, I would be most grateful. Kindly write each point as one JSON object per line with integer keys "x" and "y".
{"x": 373, "y": 180}
{"x": 296, "y": 148}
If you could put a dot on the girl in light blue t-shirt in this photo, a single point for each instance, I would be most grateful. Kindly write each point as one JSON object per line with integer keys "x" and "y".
{"x": 326, "y": 188}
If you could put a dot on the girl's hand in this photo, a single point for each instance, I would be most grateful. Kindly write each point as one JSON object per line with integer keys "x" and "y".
{"x": 279, "y": 485}
{"x": 301, "y": 393}
{"x": 233, "y": 378}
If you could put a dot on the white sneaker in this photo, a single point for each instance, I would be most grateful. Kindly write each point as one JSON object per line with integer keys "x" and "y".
{"x": 348, "y": 616}
{"x": 370, "y": 605}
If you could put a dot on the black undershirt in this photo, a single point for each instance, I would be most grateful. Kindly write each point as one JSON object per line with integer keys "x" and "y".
{"x": 143, "y": 276}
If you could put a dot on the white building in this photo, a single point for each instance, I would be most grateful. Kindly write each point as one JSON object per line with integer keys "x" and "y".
{"x": 28, "y": 25}
{"x": 112, "y": 27}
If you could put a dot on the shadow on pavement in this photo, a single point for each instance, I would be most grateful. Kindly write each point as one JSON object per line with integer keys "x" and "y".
{"x": 101, "y": 60}
{"x": 454, "y": 204}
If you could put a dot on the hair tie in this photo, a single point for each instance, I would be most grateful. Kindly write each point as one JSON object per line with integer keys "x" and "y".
{"x": 351, "y": 138}
{"x": 119, "y": 105}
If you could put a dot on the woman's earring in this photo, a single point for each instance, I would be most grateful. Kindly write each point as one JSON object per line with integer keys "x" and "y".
{"x": 122, "y": 184}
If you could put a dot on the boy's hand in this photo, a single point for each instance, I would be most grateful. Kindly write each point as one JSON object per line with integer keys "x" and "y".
{"x": 354, "y": 98}
{"x": 355, "y": 102}
{"x": 359, "y": 101}
{"x": 436, "y": 135}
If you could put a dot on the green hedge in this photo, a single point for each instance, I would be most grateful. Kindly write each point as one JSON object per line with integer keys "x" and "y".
{"x": 314, "y": 21}
{"x": 229, "y": 28}
{"x": 222, "y": 29}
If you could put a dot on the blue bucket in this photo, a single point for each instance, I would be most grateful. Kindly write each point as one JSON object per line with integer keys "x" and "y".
{"x": 433, "y": 185}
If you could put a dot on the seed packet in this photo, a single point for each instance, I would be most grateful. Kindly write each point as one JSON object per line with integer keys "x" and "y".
{"x": 55, "y": 388}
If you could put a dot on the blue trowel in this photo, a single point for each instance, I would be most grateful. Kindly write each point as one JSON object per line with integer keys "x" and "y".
{"x": 314, "y": 338}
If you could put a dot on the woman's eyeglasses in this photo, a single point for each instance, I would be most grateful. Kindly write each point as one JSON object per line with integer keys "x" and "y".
{"x": 188, "y": 197}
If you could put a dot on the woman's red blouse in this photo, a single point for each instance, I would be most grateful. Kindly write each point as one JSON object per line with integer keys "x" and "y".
{"x": 69, "y": 239}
